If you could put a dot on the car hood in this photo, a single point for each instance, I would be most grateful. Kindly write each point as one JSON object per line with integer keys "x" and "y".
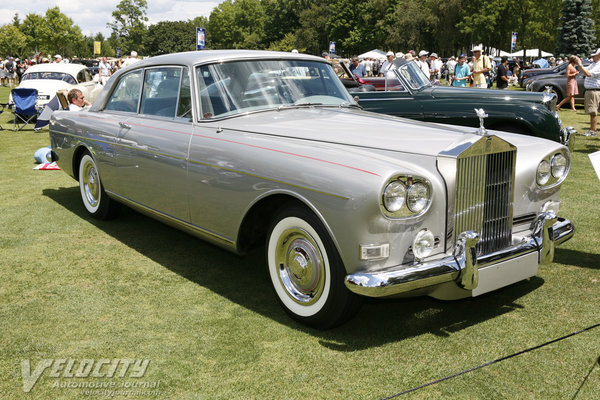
{"x": 534, "y": 71}
{"x": 445, "y": 92}
{"x": 356, "y": 128}
{"x": 551, "y": 76}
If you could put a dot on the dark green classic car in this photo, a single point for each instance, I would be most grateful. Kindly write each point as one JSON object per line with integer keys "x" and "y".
{"x": 416, "y": 98}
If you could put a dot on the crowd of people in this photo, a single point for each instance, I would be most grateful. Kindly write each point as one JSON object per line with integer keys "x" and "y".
{"x": 12, "y": 69}
{"x": 473, "y": 70}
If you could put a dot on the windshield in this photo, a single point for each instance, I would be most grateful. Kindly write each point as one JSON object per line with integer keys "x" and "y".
{"x": 237, "y": 87}
{"x": 412, "y": 75}
{"x": 57, "y": 76}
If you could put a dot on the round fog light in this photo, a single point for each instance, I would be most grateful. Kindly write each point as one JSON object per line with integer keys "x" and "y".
{"x": 423, "y": 244}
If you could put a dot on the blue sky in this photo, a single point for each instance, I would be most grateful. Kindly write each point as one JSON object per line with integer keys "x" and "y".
{"x": 92, "y": 16}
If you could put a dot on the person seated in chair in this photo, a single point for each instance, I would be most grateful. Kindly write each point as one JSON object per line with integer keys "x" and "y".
{"x": 77, "y": 101}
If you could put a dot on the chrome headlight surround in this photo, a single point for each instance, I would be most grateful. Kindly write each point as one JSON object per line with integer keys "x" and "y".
{"x": 553, "y": 169}
{"x": 405, "y": 196}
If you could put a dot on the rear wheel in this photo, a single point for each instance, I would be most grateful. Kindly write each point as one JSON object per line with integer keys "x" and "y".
{"x": 307, "y": 272}
{"x": 95, "y": 200}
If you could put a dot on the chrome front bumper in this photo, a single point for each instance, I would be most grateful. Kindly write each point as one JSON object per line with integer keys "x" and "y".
{"x": 463, "y": 265}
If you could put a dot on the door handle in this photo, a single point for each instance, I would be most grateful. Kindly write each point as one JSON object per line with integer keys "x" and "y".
{"x": 124, "y": 125}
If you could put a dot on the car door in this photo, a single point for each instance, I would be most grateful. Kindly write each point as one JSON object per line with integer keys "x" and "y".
{"x": 153, "y": 142}
{"x": 401, "y": 103}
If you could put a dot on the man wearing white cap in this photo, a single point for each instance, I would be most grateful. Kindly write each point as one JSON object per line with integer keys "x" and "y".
{"x": 592, "y": 91}
{"x": 58, "y": 59}
{"x": 422, "y": 62}
{"x": 387, "y": 63}
{"x": 481, "y": 65}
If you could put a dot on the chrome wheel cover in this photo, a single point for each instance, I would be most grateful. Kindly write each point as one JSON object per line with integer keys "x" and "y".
{"x": 300, "y": 266}
{"x": 91, "y": 184}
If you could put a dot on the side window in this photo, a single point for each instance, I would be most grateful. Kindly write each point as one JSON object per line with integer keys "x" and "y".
{"x": 161, "y": 91}
{"x": 126, "y": 95}
{"x": 184, "y": 107}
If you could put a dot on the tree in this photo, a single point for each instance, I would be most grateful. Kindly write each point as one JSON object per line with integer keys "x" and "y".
{"x": 12, "y": 40}
{"x": 312, "y": 35}
{"x": 172, "y": 36}
{"x": 128, "y": 28}
{"x": 33, "y": 28}
{"x": 59, "y": 32}
{"x": 237, "y": 25}
{"x": 576, "y": 31}
{"x": 409, "y": 27}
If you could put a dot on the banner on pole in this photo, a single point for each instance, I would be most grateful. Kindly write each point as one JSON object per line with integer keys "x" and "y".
{"x": 331, "y": 47}
{"x": 513, "y": 42}
{"x": 200, "y": 38}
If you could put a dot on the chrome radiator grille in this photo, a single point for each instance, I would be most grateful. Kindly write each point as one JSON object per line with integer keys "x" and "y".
{"x": 484, "y": 198}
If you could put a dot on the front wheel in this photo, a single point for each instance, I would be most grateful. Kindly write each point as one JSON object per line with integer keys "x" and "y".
{"x": 95, "y": 200}
{"x": 307, "y": 272}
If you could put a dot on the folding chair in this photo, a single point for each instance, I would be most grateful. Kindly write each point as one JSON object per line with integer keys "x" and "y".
{"x": 2, "y": 105}
{"x": 24, "y": 110}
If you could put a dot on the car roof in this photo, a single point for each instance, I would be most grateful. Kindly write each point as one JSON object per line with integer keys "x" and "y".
{"x": 72, "y": 69}
{"x": 197, "y": 57}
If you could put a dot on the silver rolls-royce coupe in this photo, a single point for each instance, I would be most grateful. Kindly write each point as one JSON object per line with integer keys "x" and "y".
{"x": 249, "y": 148}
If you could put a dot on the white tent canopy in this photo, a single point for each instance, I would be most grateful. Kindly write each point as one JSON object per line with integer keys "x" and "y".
{"x": 376, "y": 53}
{"x": 530, "y": 53}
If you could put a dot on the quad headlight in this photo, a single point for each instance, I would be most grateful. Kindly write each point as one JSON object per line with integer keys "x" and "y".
{"x": 405, "y": 196}
{"x": 553, "y": 169}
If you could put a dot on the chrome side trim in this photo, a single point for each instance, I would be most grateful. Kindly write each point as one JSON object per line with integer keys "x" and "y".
{"x": 461, "y": 265}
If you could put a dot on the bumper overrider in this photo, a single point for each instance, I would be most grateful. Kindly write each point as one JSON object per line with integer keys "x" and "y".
{"x": 567, "y": 137}
{"x": 463, "y": 265}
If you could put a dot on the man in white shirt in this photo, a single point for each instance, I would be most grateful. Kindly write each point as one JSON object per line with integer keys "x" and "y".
{"x": 450, "y": 65}
{"x": 104, "y": 70}
{"x": 422, "y": 62}
{"x": 435, "y": 67}
{"x": 592, "y": 91}
{"x": 387, "y": 63}
{"x": 130, "y": 60}
{"x": 77, "y": 101}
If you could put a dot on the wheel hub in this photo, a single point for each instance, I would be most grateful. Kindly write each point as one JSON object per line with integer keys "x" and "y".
{"x": 301, "y": 268}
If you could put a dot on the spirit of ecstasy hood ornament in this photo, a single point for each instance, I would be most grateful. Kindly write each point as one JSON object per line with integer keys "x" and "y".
{"x": 481, "y": 114}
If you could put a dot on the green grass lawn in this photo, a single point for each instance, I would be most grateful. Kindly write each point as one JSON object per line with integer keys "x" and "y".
{"x": 75, "y": 288}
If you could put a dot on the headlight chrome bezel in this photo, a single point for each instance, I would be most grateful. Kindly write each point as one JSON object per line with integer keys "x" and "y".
{"x": 555, "y": 168}
{"x": 418, "y": 188}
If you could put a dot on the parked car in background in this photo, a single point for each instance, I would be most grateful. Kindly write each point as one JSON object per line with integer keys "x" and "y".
{"x": 49, "y": 78}
{"x": 365, "y": 83}
{"x": 412, "y": 95}
{"x": 530, "y": 73}
{"x": 249, "y": 148}
{"x": 557, "y": 83}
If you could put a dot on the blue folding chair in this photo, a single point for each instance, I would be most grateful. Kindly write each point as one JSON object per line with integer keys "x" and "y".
{"x": 24, "y": 110}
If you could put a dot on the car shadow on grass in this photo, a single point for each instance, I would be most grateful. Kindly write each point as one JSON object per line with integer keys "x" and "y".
{"x": 577, "y": 258}
{"x": 588, "y": 148}
{"x": 244, "y": 280}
